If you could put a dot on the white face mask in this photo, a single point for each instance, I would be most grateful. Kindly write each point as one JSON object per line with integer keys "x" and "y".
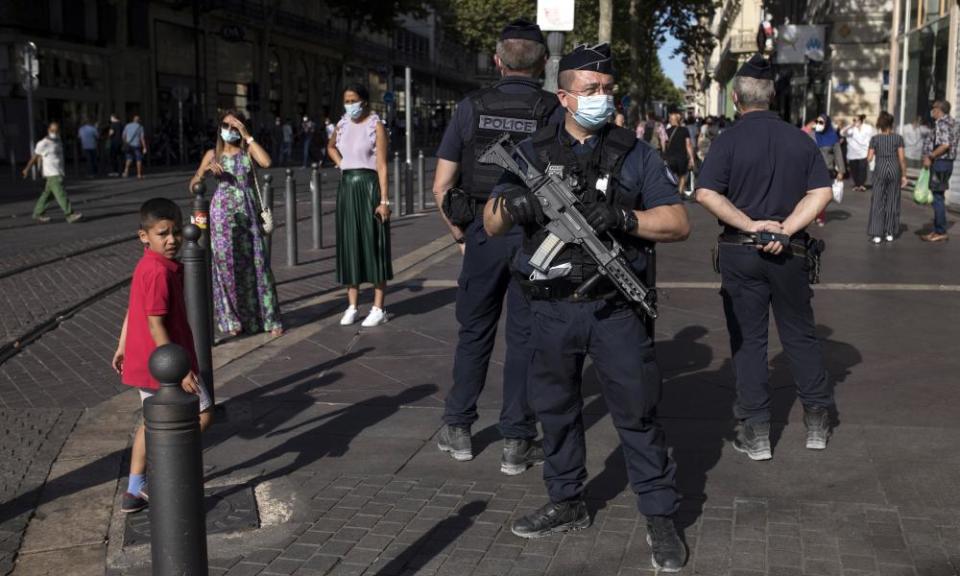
{"x": 229, "y": 136}
{"x": 594, "y": 111}
{"x": 354, "y": 109}
{"x": 52, "y": 135}
{"x": 819, "y": 127}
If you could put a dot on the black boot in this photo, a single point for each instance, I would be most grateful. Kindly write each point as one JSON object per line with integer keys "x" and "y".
{"x": 754, "y": 440}
{"x": 520, "y": 454}
{"x": 456, "y": 441}
{"x": 551, "y": 518}
{"x": 669, "y": 551}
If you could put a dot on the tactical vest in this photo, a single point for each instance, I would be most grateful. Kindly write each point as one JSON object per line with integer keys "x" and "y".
{"x": 594, "y": 177}
{"x": 494, "y": 113}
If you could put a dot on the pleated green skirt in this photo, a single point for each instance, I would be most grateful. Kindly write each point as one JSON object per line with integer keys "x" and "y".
{"x": 363, "y": 242}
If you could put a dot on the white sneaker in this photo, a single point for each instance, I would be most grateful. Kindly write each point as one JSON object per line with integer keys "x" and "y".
{"x": 876, "y": 239}
{"x": 376, "y": 317}
{"x": 889, "y": 238}
{"x": 349, "y": 317}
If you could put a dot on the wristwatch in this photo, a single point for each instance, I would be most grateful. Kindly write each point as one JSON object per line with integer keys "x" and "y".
{"x": 250, "y": 140}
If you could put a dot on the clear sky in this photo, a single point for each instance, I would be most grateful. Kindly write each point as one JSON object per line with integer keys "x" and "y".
{"x": 672, "y": 65}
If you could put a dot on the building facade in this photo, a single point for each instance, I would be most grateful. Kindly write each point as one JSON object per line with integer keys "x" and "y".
{"x": 282, "y": 58}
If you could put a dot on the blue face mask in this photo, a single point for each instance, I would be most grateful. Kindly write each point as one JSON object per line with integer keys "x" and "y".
{"x": 229, "y": 136}
{"x": 593, "y": 111}
{"x": 354, "y": 109}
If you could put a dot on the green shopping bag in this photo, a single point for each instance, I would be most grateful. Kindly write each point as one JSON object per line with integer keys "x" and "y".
{"x": 921, "y": 191}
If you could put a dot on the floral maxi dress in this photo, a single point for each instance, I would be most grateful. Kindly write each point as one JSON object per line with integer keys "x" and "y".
{"x": 244, "y": 292}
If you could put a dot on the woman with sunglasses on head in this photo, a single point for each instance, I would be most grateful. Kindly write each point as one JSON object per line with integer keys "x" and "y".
{"x": 359, "y": 149}
{"x": 828, "y": 141}
{"x": 244, "y": 292}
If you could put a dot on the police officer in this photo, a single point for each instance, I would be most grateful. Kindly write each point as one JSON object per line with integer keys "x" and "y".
{"x": 625, "y": 191}
{"x": 516, "y": 105}
{"x": 764, "y": 175}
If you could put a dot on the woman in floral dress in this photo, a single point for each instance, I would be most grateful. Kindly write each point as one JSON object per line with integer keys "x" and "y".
{"x": 244, "y": 292}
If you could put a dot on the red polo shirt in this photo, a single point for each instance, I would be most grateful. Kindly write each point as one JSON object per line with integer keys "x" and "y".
{"x": 156, "y": 290}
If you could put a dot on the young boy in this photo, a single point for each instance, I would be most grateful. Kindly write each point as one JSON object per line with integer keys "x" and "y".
{"x": 49, "y": 155}
{"x": 155, "y": 316}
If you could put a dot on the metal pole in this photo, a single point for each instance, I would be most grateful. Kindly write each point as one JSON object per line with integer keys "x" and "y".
{"x": 31, "y": 53}
{"x": 396, "y": 182}
{"x": 408, "y": 187}
{"x": 76, "y": 155}
{"x": 291, "y": 200}
{"x": 201, "y": 213}
{"x": 196, "y": 291}
{"x": 317, "y": 207}
{"x": 178, "y": 534}
{"x": 408, "y": 112}
{"x": 267, "y": 192}
{"x": 906, "y": 65}
{"x": 420, "y": 182}
{"x": 555, "y": 45}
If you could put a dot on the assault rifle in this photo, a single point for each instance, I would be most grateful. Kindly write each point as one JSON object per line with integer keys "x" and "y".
{"x": 567, "y": 225}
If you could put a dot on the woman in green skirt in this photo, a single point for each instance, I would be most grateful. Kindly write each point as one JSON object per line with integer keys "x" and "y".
{"x": 359, "y": 149}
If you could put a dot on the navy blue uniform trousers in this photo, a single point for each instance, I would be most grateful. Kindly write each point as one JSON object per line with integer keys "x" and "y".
{"x": 753, "y": 282}
{"x": 563, "y": 335}
{"x": 484, "y": 281}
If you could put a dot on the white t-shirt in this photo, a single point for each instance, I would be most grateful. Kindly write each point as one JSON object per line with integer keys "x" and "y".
{"x": 51, "y": 152}
{"x": 858, "y": 141}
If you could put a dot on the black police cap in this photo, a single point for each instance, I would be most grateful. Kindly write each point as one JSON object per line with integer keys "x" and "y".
{"x": 521, "y": 29}
{"x": 596, "y": 58}
{"x": 756, "y": 67}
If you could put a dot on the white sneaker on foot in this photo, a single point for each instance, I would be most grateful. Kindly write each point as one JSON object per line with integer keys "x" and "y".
{"x": 876, "y": 239}
{"x": 349, "y": 317}
{"x": 376, "y": 317}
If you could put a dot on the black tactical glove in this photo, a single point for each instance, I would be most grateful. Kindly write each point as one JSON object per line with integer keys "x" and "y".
{"x": 603, "y": 217}
{"x": 522, "y": 206}
{"x": 458, "y": 207}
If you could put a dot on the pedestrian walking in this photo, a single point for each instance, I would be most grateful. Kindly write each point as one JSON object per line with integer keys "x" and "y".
{"x": 244, "y": 292}
{"x": 708, "y": 133}
{"x": 652, "y": 132}
{"x": 858, "y": 137}
{"x": 764, "y": 175}
{"x": 678, "y": 151}
{"x": 828, "y": 142}
{"x": 914, "y": 135}
{"x": 462, "y": 185}
{"x": 134, "y": 146}
{"x": 890, "y": 175}
{"x": 359, "y": 149}
{"x": 939, "y": 154}
{"x": 48, "y": 154}
{"x": 115, "y": 137}
{"x": 89, "y": 137}
{"x": 575, "y": 316}
{"x": 307, "y": 130}
{"x": 156, "y": 315}
{"x": 286, "y": 142}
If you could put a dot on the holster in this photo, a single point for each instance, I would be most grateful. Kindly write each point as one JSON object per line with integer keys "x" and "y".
{"x": 814, "y": 255}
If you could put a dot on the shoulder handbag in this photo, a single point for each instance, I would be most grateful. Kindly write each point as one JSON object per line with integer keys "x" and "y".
{"x": 266, "y": 213}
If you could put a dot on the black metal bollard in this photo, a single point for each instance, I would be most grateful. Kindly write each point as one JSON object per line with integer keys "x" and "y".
{"x": 316, "y": 206}
{"x": 291, "y": 199}
{"x": 201, "y": 213}
{"x": 396, "y": 182}
{"x": 178, "y": 533}
{"x": 267, "y": 193}
{"x": 420, "y": 182}
{"x": 408, "y": 187}
{"x": 196, "y": 290}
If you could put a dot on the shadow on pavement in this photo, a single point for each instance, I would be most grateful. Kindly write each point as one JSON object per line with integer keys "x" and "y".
{"x": 427, "y": 547}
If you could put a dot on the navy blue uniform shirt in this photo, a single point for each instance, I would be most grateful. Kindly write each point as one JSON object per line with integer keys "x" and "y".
{"x": 764, "y": 166}
{"x": 460, "y": 129}
{"x": 643, "y": 176}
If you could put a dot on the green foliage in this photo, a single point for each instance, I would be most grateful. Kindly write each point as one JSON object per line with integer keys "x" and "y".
{"x": 477, "y": 23}
{"x": 377, "y": 15}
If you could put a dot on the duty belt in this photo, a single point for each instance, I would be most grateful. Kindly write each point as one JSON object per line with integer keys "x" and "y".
{"x": 798, "y": 243}
{"x": 564, "y": 290}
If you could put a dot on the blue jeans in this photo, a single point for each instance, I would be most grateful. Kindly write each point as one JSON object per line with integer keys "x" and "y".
{"x": 939, "y": 183}
{"x": 939, "y": 213}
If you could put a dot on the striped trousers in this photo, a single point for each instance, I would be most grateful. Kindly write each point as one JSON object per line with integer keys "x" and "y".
{"x": 885, "y": 203}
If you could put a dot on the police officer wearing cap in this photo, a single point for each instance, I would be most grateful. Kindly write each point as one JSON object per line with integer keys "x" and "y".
{"x": 518, "y": 106}
{"x": 764, "y": 175}
{"x": 624, "y": 190}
